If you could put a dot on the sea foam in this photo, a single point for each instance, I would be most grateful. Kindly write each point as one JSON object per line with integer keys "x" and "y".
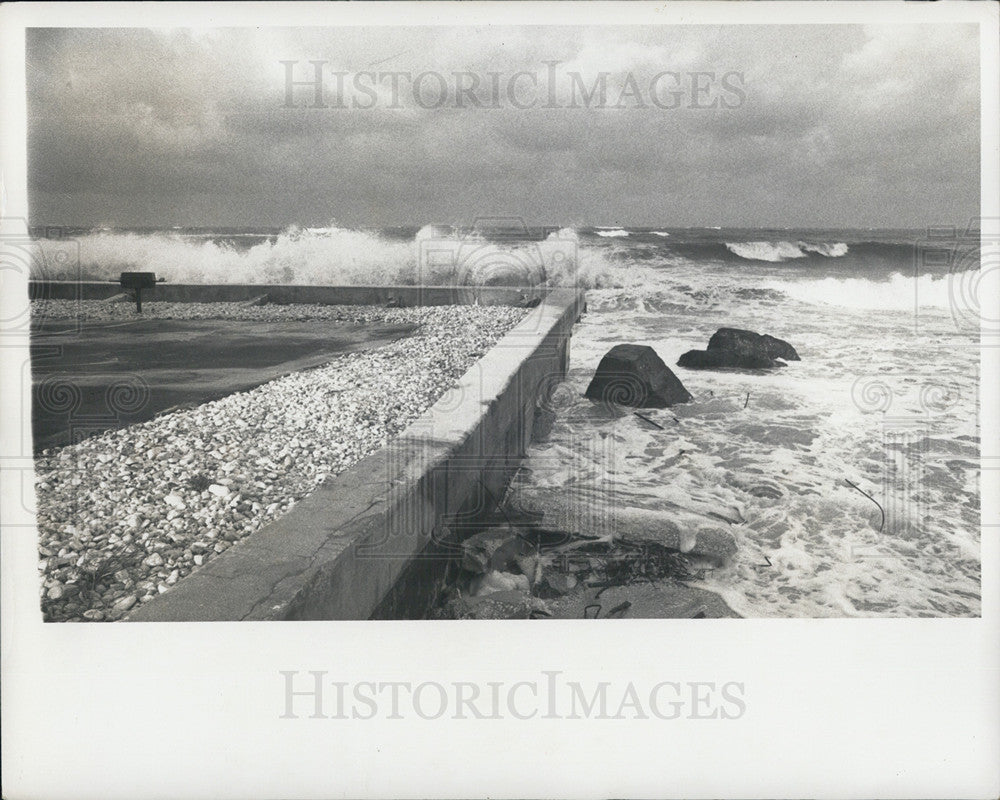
{"x": 899, "y": 293}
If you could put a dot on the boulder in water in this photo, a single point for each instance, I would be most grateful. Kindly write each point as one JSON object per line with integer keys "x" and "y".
{"x": 726, "y": 359}
{"x": 749, "y": 343}
{"x": 634, "y": 375}
{"x": 779, "y": 348}
{"x": 734, "y": 348}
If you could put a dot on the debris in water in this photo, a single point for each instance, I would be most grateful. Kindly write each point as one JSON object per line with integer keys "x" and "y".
{"x": 647, "y": 419}
{"x": 876, "y": 502}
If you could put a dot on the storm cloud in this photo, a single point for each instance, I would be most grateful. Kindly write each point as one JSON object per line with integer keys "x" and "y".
{"x": 738, "y": 125}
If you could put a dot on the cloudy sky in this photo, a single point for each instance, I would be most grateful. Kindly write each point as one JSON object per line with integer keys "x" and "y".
{"x": 745, "y": 126}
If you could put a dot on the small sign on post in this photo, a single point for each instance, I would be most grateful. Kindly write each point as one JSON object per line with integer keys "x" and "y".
{"x": 137, "y": 281}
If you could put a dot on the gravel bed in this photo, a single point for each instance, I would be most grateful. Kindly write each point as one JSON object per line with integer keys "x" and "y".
{"x": 124, "y": 515}
{"x": 119, "y": 310}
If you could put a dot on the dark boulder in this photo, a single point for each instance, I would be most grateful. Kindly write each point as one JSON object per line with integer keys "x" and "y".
{"x": 726, "y": 359}
{"x": 749, "y": 343}
{"x": 779, "y": 348}
{"x": 634, "y": 375}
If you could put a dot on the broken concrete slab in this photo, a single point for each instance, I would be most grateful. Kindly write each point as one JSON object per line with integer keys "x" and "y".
{"x": 660, "y": 600}
{"x": 604, "y": 515}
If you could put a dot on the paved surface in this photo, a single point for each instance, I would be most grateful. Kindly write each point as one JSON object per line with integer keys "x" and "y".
{"x": 93, "y": 376}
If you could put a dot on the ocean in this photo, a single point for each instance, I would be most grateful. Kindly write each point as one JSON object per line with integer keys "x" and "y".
{"x": 850, "y": 479}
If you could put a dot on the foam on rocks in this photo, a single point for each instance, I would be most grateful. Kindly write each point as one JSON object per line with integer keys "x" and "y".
{"x": 125, "y": 515}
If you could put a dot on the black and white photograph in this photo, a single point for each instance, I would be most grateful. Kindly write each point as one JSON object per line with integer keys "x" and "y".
{"x": 504, "y": 323}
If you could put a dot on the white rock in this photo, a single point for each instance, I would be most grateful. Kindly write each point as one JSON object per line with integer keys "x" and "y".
{"x": 174, "y": 500}
{"x": 498, "y": 582}
{"x": 123, "y": 604}
{"x": 219, "y": 490}
{"x": 155, "y": 560}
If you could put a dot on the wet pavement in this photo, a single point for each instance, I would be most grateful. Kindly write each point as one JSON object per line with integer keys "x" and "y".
{"x": 88, "y": 377}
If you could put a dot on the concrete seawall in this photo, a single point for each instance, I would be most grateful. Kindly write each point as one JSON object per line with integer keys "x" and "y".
{"x": 369, "y": 542}
{"x": 282, "y": 294}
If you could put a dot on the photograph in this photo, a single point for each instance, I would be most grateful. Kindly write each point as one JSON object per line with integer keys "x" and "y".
{"x": 290, "y": 360}
{"x": 442, "y": 333}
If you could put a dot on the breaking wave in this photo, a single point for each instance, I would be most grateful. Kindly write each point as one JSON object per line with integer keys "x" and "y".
{"x": 611, "y": 233}
{"x": 328, "y": 255}
{"x": 781, "y": 251}
{"x": 899, "y": 293}
{"x": 437, "y": 255}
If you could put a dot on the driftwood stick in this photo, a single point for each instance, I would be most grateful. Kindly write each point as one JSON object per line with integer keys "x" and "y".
{"x": 876, "y": 502}
{"x": 647, "y": 419}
